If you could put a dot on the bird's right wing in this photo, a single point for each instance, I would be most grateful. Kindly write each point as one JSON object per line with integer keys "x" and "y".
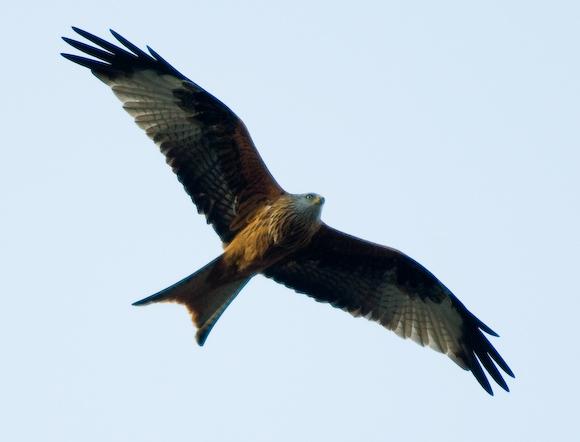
{"x": 384, "y": 285}
{"x": 204, "y": 142}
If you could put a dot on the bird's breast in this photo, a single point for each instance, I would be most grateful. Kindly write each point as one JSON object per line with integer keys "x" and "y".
{"x": 272, "y": 235}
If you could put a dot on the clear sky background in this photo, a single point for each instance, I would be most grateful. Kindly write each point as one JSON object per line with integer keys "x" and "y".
{"x": 448, "y": 129}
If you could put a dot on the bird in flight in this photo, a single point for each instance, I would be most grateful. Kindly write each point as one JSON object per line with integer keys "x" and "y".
{"x": 266, "y": 230}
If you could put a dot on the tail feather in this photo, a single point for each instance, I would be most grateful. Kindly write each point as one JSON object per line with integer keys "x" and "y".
{"x": 205, "y": 295}
{"x": 205, "y": 318}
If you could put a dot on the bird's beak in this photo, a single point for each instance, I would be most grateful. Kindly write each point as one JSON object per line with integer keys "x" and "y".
{"x": 320, "y": 200}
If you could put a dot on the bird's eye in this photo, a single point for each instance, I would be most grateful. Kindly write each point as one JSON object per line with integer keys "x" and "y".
{"x": 309, "y": 196}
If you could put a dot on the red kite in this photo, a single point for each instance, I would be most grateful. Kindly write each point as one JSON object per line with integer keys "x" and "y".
{"x": 266, "y": 230}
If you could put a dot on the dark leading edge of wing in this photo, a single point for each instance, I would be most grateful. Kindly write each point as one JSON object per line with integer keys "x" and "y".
{"x": 205, "y": 143}
{"x": 384, "y": 285}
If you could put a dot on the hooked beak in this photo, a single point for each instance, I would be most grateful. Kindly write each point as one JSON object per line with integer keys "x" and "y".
{"x": 320, "y": 200}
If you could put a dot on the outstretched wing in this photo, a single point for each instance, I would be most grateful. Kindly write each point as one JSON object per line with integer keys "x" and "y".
{"x": 204, "y": 142}
{"x": 386, "y": 286}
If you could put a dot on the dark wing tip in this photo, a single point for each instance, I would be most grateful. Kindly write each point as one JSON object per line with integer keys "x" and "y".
{"x": 479, "y": 374}
{"x": 478, "y": 352}
{"x": 113, "y": 60}
{"x": 155, "y": 54}
{"x": 93, "y": 65}
{"x": 492, "y": 370}
{"x": 164, "y": 63}
{"x": 485, "y": 327}
{"x": 133, "y": 48}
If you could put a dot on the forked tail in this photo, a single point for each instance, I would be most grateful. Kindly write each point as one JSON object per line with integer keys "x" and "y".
{"x": 205, "y": 293}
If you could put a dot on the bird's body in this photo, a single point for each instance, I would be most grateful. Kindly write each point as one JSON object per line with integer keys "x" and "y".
{"x": 266, "y": 230}
{"x": 275, "y": 231}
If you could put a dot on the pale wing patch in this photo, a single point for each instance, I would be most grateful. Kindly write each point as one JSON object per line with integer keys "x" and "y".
{"x": 148, "y": 97}
{"x": 429, "y": 323}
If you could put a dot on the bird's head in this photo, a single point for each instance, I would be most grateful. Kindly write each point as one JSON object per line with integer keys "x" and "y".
{"x": 313, "y": 199}
{"x": 309, "y": 203}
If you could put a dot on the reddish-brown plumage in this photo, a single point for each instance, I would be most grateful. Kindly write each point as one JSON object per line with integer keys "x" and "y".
{"x": 266, "y": 230}
{"x": 274, "y": 231}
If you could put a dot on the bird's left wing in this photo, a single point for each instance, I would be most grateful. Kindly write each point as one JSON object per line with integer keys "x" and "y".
{"x": 204, "y": 142}
{"x": 384, "y": 285}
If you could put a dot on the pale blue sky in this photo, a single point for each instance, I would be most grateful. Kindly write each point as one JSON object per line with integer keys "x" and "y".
{"x": 448, "y": 130}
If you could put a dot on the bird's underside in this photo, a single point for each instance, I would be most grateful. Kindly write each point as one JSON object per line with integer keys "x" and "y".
{"x": 266, "y": 230}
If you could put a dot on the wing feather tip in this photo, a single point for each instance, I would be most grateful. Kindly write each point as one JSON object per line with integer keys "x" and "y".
{"x": 152, "y": 52}
{"x": 82, "y": 32}
{"x": 478, "y": 373}
{"x": 509, "y": 371}
{"x": 488, "y": 330}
